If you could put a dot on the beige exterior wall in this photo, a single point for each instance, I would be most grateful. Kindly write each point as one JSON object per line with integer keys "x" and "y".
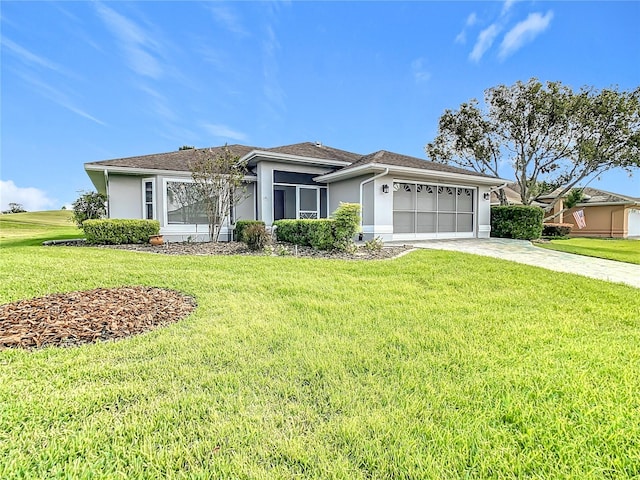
{"x": 125, "y": 196}
{"x": 602, "y": 221}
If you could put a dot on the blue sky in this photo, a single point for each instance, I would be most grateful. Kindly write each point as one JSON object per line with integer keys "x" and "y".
{"x": 87, "y": 81}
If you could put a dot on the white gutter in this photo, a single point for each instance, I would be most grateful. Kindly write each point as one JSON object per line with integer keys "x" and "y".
{"x": 106, "y": 187}
{"x": 386, "y": 172}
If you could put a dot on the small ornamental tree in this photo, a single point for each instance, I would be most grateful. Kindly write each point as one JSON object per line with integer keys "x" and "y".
{"x": 218, "y": 178}
{"x": 89, "y": 206}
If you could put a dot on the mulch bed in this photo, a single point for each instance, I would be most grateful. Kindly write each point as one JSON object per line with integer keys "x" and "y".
{"x": 76, "y": 318}
{"x": 239, "y": 248}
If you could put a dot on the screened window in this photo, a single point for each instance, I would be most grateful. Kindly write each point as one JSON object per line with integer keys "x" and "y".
{"x": 184, "y": 205}
{"x": 420, "y": 208}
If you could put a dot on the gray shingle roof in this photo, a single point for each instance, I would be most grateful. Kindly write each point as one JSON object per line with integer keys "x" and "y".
{"x": 179, "y": 160}
{"x": 389, "y": 158}
{"x": 176, "y": 161}
{"x": 316, "y": 150}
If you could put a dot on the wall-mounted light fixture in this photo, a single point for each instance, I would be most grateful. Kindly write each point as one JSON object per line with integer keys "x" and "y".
{"x": 385, "y": 188}
{"x": 486, "y": 195}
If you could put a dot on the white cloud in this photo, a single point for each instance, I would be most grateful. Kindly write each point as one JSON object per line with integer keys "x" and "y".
{"x": 31, "y": 58}
{"x": 524, "y": 32}
{"x": 484, "y": 42}
{"x": 472, "y": 19}
{"x": 228, "y": 19}
{"x": 31, "y": 199}
{"x": 420, "y": 73}
{"x": 137, "y": 44}
{"x": 56, "y": 96}
{"x": 222, "y": 131}
{"x": 506, "y": 6}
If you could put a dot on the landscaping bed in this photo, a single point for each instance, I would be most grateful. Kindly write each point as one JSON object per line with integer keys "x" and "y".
{"x": 75, "y": 318}
{"x": 239, "y": 248}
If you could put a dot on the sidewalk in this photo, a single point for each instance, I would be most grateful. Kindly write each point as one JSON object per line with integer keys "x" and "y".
{"x": 522, "y": 251}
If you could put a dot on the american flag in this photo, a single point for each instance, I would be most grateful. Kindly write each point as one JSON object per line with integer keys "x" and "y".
{"x": 580, "y": 220}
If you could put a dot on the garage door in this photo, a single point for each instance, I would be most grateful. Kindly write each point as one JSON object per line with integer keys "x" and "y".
{"x": 634, "y": 223}
{"x": 432, "y": 211}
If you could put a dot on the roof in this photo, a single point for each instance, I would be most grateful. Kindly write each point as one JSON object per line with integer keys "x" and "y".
{"x": 175, "y": 161}
{"x": 316, "y": 150}
{"x": 346, "y": 164}
{"x": 591, "y": 196}
{"x": 384, "y": 157}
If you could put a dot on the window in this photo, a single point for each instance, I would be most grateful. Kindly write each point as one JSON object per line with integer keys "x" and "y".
{"x": 296, "y": 195}
{"x": 184, "y": 206}
{"x": 420, "y": 208}
{"x": 148, "y": 199}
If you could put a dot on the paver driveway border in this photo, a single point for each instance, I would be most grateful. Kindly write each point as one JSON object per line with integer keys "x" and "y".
{"x": 523, "y": 251}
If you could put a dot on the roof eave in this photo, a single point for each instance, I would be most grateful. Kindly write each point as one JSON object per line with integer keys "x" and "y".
{"x": 395, "y": 169}
{"x": 147, "y": 171}
{"x": 287, "y": 158}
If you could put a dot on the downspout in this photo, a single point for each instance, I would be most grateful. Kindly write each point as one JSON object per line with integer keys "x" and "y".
{"x": 386, "y": 172}
{"x": 106, "y": 186}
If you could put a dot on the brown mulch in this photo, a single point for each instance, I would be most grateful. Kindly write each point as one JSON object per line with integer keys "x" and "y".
{"x": 76, "y": 318}
{"x": 239, "y": 248}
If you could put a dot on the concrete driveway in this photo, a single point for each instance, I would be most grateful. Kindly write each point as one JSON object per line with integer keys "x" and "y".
{"x": 522, "y": 251}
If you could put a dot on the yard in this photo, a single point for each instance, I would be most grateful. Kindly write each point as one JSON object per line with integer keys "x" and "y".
{"x": 611, "y": 249}
{"x": 433, "y": 365}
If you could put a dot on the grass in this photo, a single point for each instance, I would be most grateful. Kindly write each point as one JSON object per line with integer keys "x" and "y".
{"x": 434, "y": 365}
{"x": 33, "y": 228}
{"x": 618, "y": 249}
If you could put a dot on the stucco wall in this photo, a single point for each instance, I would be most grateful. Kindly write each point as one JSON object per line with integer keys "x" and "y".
{"x": 602, "y": 221}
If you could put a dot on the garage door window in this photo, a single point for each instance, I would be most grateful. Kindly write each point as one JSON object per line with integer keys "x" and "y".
{"x": 421, "y": 208}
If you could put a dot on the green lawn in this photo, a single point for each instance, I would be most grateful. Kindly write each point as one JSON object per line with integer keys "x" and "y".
{"x": 434, "y": 365}
{"x": 32, "y": 228}
{"x": 620, "y": 250}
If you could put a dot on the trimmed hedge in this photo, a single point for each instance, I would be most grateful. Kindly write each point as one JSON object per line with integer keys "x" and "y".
{"x": 556, "y": 229}
{"x": 516, "y": 221}
{"x": 324, "y": 233}
{"x": 117, "y": 231}
{"x": 255, "y": 236}
{"x": 242, "y": 225}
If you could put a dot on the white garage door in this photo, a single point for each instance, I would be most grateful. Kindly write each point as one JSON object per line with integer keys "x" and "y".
{"x": 432, "y": 211}
{"x": 634, "y": 223}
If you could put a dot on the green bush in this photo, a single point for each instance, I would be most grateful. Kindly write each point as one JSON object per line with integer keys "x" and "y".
{"x": 117, "y": 231}
{"x": 255, "y": 236}
{"x": 242, "y": 225}
{"x": 347, "y": 224}
{"x": 516, "y": 221}
{"x": 324, "y": 233}
{"x": 89, "y": 206}
{"x": 556, "y": 229}
{"x": 290, "y": 231}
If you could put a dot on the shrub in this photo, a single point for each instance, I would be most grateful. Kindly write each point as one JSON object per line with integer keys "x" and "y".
{"x": 89, "y": 206}
{"x": 373, "y": 245}
{"x": 516, "y": 221}
{"x": 255, "y": 236}
{"x": 117, "y": 231}
{"x": 322, "y": 234}
{"x": 556, "y": 229}
{"x": 347, "y": 224}
{"x": 241, "y": 226}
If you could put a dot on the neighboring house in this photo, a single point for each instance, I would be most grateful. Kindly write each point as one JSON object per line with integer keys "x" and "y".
{"x": 606, "y": 214}
{"x": 402, "y": 198}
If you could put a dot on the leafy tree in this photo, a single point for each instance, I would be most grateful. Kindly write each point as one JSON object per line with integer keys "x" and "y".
{"x": 186, "y": 147}
{"x": 15, "y": 208}
{"x": 550, "y": 135}
{"x": 89, "y": 206}
{"x": 218, "y": 177}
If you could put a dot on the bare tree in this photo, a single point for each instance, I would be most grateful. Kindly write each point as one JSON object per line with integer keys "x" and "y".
{"x": 218, "y": 177}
